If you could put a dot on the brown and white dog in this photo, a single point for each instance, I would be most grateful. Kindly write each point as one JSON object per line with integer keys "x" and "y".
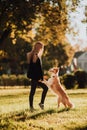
{"x": 54, "y": 84}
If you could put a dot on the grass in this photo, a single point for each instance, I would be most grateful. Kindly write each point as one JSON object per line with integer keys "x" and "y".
{"x": 15, "y": 114}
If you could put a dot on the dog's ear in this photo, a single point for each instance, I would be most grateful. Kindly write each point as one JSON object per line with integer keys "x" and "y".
{"x": 51, "y": 70}
{"x": 45, "y": 77}
{"x": 56, "y": 69}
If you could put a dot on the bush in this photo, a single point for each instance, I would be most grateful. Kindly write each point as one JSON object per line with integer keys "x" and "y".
{"x": 81, "y": 78}
{"x": 13, "y": 80}
{"x": 23, "y": 80}
{"x": 20, "y": 79}
{"x": 4, "y": 80}
{"x": 69, "y": 81}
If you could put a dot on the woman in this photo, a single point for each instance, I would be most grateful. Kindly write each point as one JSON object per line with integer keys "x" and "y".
{"x": 35, "y": 73}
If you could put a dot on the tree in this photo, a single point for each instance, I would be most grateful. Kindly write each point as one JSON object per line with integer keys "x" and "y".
{"x": 18, "y": 15}
{"x": 32, "y": 20}
{"x": 58, "y": 55}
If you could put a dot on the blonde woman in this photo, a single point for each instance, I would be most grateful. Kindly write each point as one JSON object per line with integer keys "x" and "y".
{"x": 35, "y": 73}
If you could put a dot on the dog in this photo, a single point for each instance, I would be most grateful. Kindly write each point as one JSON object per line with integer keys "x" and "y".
{"x": 55, "y": 85}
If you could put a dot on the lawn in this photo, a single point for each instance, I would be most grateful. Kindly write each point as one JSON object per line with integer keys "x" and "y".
{"x": 15, "y": 114}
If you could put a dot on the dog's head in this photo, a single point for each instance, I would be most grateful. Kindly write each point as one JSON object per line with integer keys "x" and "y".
{"x": 54, "y": 70}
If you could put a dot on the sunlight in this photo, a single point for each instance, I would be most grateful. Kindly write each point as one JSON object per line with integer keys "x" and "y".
{"x": 79, "y": 27}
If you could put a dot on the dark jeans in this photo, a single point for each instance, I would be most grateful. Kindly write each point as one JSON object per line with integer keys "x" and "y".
{"x": 34, "y": 84}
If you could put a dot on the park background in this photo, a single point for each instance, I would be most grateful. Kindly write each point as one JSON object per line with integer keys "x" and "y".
{"x": 62, "y": 27}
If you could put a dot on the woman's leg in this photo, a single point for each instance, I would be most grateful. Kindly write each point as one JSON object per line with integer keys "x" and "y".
{"x": 45, "y": 89}
{"x": 32, "y": 92}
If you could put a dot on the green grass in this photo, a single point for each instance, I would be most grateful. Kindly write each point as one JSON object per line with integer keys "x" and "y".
{"x": 15, "y": 114}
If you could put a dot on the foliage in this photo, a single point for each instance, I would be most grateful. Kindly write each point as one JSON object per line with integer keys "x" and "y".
{"x": 20, "y": 17}
{"x": 53, "y": 23}
{"x": 77, "y": 79}
{"x": 81, "y": 78}
{"x": 22, "y": 80}
{"x": 26, "y": 21}
{"x": 58, "y": 55}
{"x": 69, "y": 81}
{"x": 13, "y": 80}
{"x": 15, "y": 58}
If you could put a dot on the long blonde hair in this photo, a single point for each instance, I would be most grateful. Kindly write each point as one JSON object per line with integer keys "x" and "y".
{"x": 37, "y": 46}
{"x": 37, "y": 50}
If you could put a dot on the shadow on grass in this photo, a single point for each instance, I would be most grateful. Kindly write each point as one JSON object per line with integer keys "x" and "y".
{"x": 84, "y": 128}
{"x": 50, "y": 111}
{"x": 78, "y": 128}
{"x": 23, "y": 115}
